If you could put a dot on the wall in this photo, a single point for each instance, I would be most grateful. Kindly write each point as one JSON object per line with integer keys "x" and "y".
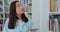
{"x": 40, "y": 14}
{"x": 44, "y": 9}
{"x": 36, "y": 13}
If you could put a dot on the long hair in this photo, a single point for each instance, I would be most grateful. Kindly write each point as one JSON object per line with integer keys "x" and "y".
{"x": 13, "y": 16}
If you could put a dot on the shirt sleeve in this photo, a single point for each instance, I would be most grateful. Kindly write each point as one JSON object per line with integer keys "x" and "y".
{"x": 28, "y": 26}
{"x": 5, "y": 26}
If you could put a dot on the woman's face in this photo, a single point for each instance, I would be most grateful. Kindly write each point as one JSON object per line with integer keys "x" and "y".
{"x": 19, "y": 8}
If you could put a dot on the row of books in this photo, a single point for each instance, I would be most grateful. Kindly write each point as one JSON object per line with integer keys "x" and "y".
{"x": 54, "y": 23}
{"x": 54, "y": 6}
{"x": 6, "y": 15}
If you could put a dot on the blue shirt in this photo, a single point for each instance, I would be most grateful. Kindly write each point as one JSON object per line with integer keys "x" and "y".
{"x": 25, "y": 27}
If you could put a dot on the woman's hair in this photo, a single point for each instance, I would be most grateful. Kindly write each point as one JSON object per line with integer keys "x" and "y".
{"x": 13, "y": 16}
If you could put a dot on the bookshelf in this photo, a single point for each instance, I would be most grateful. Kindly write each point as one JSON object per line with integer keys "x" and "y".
{"x": 4, "y": 10}
{"x": 54, "y": 13}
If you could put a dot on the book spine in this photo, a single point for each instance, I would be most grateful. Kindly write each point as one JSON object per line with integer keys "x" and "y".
{"x": 52, "y": 3}
{"x": 56, "y": 25}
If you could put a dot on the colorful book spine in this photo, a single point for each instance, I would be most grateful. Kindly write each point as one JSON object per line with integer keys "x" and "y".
{"x": 54, "y": 28}
{"x": 56, "y": 25}
{"x": 50, "y": 25}
{"x": 52, "y": 3}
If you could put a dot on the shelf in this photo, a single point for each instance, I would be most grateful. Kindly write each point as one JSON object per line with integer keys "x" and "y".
{"x": 54, "y": 13}
{"x": 1, "y": 18}
{"x": 1, "y": 12}
{"x": 6, "y": 5}
{"x": 7, "y": 12}
{"x": 27, "y": 12}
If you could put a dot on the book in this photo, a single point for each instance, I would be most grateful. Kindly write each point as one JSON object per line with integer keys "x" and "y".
{"x": 6, "y": 15}
{"x": 50, "y": 23}
{"x": 56, "y": 25}
{"x": 29, "y": 8}
{"x": 6, "y": 9}
{"x": 58, "y": 6}
{"x": 52, "y": 3}
{"x": 1, "y": 10}
{"x": 30, "y": 15}
{"x": 1, "y": 15}
{"x": 1, "y": 3}
{"x": 1, "y": 21}
{"x": 0, "y": 28}
{"x": 26, "y": 8}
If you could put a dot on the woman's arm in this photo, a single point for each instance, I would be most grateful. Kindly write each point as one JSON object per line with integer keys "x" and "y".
{"x": 6, "y": 26}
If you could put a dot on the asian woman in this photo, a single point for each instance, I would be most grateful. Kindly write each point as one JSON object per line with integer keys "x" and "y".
{"x": 17, "y": 21}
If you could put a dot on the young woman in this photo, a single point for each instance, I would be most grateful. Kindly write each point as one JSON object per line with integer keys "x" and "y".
{"x": 17, "y": 21}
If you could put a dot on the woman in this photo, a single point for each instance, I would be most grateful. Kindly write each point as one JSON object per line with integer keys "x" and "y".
{"x": 17, "y": 21}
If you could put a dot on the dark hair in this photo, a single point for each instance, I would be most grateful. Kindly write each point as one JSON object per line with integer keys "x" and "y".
{"x": 13, "y": 16}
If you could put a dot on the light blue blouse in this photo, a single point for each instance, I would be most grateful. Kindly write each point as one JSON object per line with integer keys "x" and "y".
{"x": 25, "y": 27}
